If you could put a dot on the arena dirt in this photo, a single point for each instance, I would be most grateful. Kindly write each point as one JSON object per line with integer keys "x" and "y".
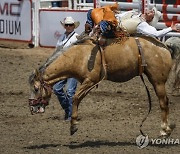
{"x": 109, "y": 116}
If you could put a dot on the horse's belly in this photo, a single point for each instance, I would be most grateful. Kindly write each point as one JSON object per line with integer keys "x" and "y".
{"x": 121, "y": 76}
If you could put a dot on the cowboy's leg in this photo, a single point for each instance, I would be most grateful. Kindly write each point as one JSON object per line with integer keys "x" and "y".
{"x": 59, "y": 92}
{"x": 71, "y": 88}
{"x": 106, "y": 29}
{"x": 89, "y": 23}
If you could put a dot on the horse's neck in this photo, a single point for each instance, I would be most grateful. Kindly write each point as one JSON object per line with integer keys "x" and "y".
{"x": 69, "y": 64}
{"x": 58, "y": 69}
{"x": 58, "y": 51}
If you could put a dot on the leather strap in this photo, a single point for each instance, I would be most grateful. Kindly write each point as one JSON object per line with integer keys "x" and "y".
{"x": 141, "y": 52}
{"x": 142, "y": 64}
{"x": 103, "y": 74}
{"x": 92, "y": 58}
{"x": 141, "y": 59}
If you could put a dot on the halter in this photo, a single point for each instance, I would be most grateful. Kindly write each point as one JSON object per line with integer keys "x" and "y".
{"x": 40, "y": 101}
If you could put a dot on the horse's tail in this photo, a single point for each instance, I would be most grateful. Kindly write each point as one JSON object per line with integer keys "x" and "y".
{"x": 173, "y": 44}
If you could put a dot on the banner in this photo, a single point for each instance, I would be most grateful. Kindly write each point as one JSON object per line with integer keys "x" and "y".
{"x": 15, "y": 20}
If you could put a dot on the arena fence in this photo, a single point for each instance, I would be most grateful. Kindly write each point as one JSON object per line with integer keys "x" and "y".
{"x": 37, "y": 22}
{"x": 16, "y": 20}
{"x": 170, "y": 10}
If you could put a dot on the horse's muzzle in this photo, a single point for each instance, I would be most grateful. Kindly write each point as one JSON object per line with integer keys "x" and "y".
{"x": 37, "y": 105}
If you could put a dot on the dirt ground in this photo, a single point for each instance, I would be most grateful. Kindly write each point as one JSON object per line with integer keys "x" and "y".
{"x": 109, "y": 116}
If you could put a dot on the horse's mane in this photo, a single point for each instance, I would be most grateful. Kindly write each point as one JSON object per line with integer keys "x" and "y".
{"x": 58, "y": 51}
{"x": 55, "y": 55}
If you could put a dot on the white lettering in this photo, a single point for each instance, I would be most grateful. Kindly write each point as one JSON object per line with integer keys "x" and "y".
{"x": 158, "y": 141}
{"x": 164, "y": 141}
{"x": 176, "y": 141}
{"x": 170, "y": 141}
{"x": 153, "y": 141}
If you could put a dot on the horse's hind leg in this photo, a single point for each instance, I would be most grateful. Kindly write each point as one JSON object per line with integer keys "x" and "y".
{"x": 163, "y": 101}
{"x": 80, "y": 94}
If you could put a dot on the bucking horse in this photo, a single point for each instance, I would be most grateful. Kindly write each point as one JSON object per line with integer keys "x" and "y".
{"x": 118, "y": 62}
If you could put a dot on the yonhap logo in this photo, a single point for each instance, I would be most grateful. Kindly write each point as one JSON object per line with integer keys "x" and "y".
{"x": 165, "y": 141}
{"x": 143, "y": 141}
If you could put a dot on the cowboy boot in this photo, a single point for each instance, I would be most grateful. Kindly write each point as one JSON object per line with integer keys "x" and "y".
{"x": 88, "y": 28}
{"x": 85, "y": 34}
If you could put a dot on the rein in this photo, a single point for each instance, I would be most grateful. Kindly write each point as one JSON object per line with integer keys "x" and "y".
{"x": 150, "y": 104}
{"x": 142, "y": 64}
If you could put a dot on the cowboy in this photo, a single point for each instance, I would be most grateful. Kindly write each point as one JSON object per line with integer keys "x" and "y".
{"x": 145, "y": 23}
{"x": 65, "y": 40}
{"x": 110, "y": 21}
{"x": 104, "y": 17}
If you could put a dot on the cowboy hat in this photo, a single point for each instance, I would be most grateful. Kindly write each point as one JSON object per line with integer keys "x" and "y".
{"x": 70, "y": 20}
{"x": 157, "y": 16}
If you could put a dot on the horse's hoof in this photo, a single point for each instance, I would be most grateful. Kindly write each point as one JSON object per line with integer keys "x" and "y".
{"x": 73, "y": 129}
{"x": 164, "y": 134}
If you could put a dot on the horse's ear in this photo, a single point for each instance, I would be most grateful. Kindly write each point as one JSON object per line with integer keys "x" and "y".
{"x": 36, "y": 73}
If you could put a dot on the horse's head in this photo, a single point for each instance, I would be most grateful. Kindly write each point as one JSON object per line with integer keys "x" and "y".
{"x": 40, "y": 93}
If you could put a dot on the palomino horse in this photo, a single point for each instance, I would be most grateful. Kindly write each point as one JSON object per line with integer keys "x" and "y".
{"x": 122, "y": 65}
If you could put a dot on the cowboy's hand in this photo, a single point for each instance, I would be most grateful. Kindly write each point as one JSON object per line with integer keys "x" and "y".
{"x": 97, "y": 29}
{"x": 175, "y": 27}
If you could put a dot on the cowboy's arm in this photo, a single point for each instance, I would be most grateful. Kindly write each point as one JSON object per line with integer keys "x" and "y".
{"x": 145, "y": 28}
{"x": 72, "y": 40}
{"x": 60, "y": 41}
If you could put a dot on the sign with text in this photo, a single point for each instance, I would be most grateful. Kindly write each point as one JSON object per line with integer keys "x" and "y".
{"x": 15, "y": 20}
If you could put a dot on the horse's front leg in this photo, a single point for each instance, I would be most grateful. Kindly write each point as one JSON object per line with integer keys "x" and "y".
{"x": 85, "y": 87}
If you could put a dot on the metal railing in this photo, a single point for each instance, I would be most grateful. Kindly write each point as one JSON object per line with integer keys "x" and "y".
{"x": 71, "y": 4}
